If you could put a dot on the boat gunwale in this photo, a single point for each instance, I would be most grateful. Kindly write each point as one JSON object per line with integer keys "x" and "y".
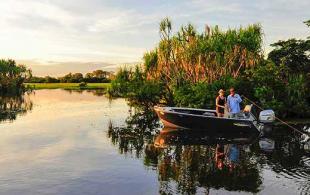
{"x": 158, "y": 108}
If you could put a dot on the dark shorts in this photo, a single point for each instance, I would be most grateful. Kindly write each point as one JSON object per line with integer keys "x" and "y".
{"x": 220, "y": 110}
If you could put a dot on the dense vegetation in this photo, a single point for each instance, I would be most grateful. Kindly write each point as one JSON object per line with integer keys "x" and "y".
{"x": 187, "y": 68}
{"x": 97, "y": 76}
{"x": 72, "y": 86}
{"x": 12, "y": 76}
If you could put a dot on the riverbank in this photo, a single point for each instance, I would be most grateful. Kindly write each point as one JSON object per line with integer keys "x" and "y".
{"x": 66, "y": 85}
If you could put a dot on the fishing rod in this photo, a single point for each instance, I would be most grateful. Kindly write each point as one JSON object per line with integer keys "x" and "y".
{"x": 283, "y": 122}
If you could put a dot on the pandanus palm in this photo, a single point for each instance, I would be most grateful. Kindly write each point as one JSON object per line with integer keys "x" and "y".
{"x": 203, "y": 57}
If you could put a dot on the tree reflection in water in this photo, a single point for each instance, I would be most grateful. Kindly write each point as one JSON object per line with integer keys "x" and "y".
{"x": 188, "y": 160}
{"x": 95, "y": 92}
{"x": 138, "y": 132}
{"x": 198, "y": 159}
{"x": 288, "y": 155}
{"x": 13, "y": 105}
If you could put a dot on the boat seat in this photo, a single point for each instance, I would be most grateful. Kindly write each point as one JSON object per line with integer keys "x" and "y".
{"x": 243, "y": 115}
{"x": 209, "y": 114}
{"x": 246, "y": 115}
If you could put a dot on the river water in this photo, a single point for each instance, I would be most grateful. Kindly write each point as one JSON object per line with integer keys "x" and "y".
{"x": 79, "y": 142}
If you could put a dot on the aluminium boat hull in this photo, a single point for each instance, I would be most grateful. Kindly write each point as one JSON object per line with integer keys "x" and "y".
{"x": 206, "y": 120}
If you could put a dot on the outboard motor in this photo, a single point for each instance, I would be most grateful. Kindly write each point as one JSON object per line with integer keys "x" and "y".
{"x": 266, "y": 144}
{"x": 266, "y": 118}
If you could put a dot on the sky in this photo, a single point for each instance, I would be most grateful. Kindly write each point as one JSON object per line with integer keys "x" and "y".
{"x": 54, "y": 37}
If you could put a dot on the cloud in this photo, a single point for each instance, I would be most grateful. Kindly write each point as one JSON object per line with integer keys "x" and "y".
{"x": 54, "y": 68}
{"x": 116, "y": 32}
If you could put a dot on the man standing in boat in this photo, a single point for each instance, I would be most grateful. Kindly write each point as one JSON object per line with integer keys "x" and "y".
{"x": 233, "y": 103}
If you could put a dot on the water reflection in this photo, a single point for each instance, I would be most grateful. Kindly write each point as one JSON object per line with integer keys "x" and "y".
{"x": 13, "y": 105}
{"x": 65, "y": 137}
{"x": 138, "y": 131}
{"x": 286, "y": 155}
{"x": 95, "y": 92}
{"x": 267, "y": 144}
{"x": 198, "y": 159}
{"x": 189, "y": 162}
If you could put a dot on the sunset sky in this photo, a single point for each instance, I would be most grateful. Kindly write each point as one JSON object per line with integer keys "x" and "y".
{"x": 54, "y": 37}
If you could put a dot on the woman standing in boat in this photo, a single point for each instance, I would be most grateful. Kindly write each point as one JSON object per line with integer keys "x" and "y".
{"x": 220, "y": 103}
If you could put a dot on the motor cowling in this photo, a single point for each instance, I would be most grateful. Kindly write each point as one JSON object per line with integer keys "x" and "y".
{"x": 267, "y": 116}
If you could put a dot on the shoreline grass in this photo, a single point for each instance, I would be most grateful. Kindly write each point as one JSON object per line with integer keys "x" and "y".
{"x": 66, "y": 86}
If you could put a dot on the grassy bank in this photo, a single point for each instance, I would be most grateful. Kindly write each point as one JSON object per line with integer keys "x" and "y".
{"x": 67, "y": 85}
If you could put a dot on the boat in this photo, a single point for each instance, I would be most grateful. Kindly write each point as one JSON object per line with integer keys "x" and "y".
{"x": 207, "y": 120}
{"x": 170, "y": 136}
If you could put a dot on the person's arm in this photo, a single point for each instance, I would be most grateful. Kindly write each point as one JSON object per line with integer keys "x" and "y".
{"x": 239, "y": 98}
{"x": 225, "y": 104}
{"x": 228, "y": 104}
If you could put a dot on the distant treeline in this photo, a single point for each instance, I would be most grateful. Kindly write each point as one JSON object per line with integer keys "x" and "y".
{"x": 12, "y": 76}
{"x": 97, "y": 76}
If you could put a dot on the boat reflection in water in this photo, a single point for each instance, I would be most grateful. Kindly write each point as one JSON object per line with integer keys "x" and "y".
{"x": 171, "y": 136}
{"x": 198, "y": 160}
{"x": 267, "y": 144}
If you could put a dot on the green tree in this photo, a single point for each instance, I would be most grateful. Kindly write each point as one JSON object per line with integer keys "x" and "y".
{"x": 100, "y": 74}
{"x": 66, "y": 79}
{"x": 49, "y": 79}
{"x": 12, "y": 76}
{"x": 77, "y": 78}
{"x": 295, "y": 54}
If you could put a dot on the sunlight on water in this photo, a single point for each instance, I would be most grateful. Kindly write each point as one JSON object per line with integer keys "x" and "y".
{"x": 60, "y": 146}
{"x": 80, "y": 142}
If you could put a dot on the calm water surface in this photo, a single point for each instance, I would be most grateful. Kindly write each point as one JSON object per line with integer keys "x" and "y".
{"x": 79, "y": 142}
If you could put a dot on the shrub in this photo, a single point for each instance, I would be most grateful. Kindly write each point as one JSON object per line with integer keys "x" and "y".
{"x": 82, "y": 84}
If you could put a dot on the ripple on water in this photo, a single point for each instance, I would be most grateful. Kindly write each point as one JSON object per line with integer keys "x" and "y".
{"x": 62, "y": 142}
